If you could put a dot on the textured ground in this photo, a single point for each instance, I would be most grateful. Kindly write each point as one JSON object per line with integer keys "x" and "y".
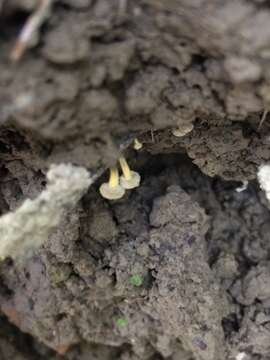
{"x": 101, "y": 73}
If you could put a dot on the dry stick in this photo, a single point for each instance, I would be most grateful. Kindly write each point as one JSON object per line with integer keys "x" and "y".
{"x": 32, "y": 25}
{"x": 152, "y": 136}
{"x": 263, "y": 119}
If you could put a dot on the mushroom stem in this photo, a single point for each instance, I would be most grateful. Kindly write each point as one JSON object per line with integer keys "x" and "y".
{"x": 125, "y": 168}
{"x": 130, "y": 179}
{"x": 114, "y": 177}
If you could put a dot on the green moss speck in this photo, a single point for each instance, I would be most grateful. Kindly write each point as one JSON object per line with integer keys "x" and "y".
{"x": 121, "y": 322}
{"x": 136, "y": 280}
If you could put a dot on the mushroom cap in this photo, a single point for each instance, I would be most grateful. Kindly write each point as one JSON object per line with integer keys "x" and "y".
{"x": 137, "y": 145}
{"x": 182, "y": 130}
{"x": 111, "y": 192}
{"x": 131, "y": 183}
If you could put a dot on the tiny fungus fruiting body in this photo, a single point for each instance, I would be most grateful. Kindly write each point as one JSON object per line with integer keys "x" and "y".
{"x": 112, "y": 190}
{"x": 130, "y": 179}
{"x": 115, "y": 188}
{"x": 183, "y": 130}
{"x": 137, "y": 145}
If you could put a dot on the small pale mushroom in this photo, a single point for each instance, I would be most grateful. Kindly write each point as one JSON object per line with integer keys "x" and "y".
{"x": 130, "y": 179}
{"x": 112, "y": 190}
{"x": 137, "y": 145}
{"x": 182, "y": 130}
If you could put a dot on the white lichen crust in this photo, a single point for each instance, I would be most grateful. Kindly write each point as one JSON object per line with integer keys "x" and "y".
{"x": 24, "y": 230}
{"x": 264, "y": 179}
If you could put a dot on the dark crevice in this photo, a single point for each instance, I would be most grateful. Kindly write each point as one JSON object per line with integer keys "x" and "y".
{"x": 23, "y": 343}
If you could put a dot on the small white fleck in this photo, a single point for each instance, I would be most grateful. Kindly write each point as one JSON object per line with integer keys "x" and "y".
{"x": 182, "y": 130}
{"x": 137, "y": 11}
{"x": 243, "y": 187}
{"x": 240, "y": 356}
{"x": 23, "y": 100}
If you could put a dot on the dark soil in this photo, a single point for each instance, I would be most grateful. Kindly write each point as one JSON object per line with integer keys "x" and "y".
{"x": 179, "y": 268}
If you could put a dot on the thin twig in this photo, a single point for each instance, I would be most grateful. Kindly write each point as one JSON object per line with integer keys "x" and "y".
{"x": 30, "y": 28}
{"x": 152, "y": 136}
{"x": 263, "y": 119}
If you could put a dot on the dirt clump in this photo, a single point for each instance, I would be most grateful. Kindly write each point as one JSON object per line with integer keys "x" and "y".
{"x": 81, "y": 284}
{"x": 65, "y": 281}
